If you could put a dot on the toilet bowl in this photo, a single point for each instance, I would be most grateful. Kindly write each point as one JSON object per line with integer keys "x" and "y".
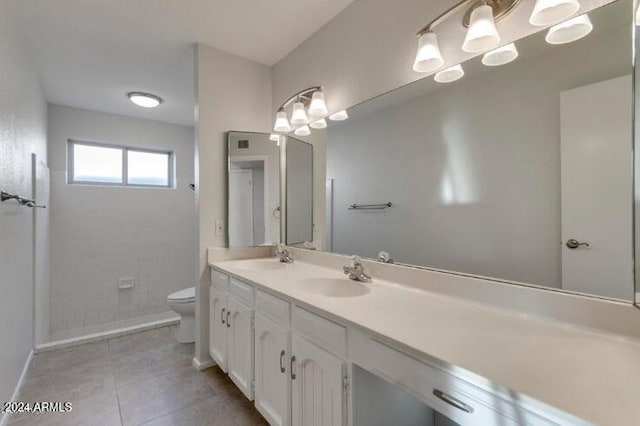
{"x": 183, "y": 302}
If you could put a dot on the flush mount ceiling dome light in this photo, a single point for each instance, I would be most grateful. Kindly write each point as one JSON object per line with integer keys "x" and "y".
{"x": 569, "y": 31}
{"x": 549, "y": 12}
{"x": 308, "y": 110}
{"x": 145, "y": 100}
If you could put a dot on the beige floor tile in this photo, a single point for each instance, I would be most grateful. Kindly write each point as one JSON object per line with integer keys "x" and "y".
{"x": 148, "y": 399}
{"x": 140, "y": 342}
{"x": 75, "y": 356}
{"x": 143, "y": 365}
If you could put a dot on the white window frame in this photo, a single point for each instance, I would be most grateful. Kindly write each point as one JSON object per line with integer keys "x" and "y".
{"x": 125, "y": 164}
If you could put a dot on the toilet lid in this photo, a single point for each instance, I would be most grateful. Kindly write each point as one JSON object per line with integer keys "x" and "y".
{"x": 185, "y": 295}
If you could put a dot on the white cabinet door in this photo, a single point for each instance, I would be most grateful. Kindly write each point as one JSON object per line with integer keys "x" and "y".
{"x": 316, "y": 386}
{"x": 218, "y": 327}
{"x": 272, "y": 394}
{"x": 240, "y": 345}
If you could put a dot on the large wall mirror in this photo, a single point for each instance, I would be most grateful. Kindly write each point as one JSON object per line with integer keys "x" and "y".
{"x": 259, "y": 185}
{"x": 521, "y": 172}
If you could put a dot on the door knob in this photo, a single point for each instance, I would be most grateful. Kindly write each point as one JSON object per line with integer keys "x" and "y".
{"x": 574, "y": 244}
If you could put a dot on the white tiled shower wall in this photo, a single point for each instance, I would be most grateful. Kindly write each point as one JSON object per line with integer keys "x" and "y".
{"x": 100, "y": 234}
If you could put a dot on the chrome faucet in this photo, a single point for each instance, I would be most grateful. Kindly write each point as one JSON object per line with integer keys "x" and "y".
{"x": 282, "y": 251}
{"x": 384, "y": 257}
{"x": 308, "y": 245}
{"x": 355, "y": 270}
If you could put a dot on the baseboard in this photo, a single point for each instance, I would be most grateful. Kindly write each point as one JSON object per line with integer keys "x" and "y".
{"x": 203, "y": 365}
{"x": 5, "y": 417}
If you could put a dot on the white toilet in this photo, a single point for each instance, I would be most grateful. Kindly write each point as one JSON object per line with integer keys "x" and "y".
{"x": 183, "y": 302}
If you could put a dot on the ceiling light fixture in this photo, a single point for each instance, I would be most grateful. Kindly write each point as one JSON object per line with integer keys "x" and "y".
{"x": 145, "y": 100}
{"x": 482, "y": 35}
{"x": 569, "y": 31}
{"x": 450, "y": 74}
{"x": 549, "y": 12}
{"x": 339, "y": 116}
{"x": 500, "y": 56}
{"x": 309, "y": 101}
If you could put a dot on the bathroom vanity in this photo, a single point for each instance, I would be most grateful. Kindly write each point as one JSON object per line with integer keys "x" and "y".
{"x": 302, "y": 340}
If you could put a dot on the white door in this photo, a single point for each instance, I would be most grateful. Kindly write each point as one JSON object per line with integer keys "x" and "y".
{"x": 240, "y": 346}
{"x": 240, "y": 208}
{"x": 272, "y": 394}
{"x": 218, "y": 327}
{"x": 316, "y": 387}
{"x": 596, "y": 165}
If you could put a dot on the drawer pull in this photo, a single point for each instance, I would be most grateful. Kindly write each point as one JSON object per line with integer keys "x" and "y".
{"x": 293, "y": 372}
{"x": 453, "y": 401}
{"x": 222, "y": 315}
{"x": 228, "y": 323}
{"x": 282, "y": 361}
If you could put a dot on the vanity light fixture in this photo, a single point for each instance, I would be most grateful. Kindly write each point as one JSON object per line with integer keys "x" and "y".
{"x": 318, "y": 124}
{"x": 302, "y": 131}
{"x": 428, "y": 57}
{"x": 309, "y": 101}
{"x": 500, "y": 56}
{"x": 450, "y": 74}
{"x": 549, "y": 12}
{"x": 144, "y": 100}
{"x": 339, "y": 116}
{"x": 482, "y": 34}
{"x": 569, "y": 31}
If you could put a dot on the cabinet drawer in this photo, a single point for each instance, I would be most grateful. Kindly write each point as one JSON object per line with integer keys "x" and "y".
{"x": 219, "y": 280}
{"x": 326, "y": 334}
{"x": 274, "y": 308}
{"x": 241, "y": 290}
{"x": 457, "y": 399}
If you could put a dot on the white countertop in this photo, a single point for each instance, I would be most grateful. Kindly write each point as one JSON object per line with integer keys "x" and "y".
{"x": 592, "y": 375}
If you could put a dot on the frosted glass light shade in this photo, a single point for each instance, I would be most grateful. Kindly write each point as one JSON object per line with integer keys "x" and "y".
{"x": 282, "y": 122}
{"x": 500, "y": 56}
{"x": 450, "y": 74}
{"x": 571, "y": 30}
{"x": 298, "y": 116}
{"x": 274, "y": 137}
{"x": 428, "y": 56}
{"x": 302, "y": 131}
{"x": 318, "y": 108}
{"x": 339, "y": 116}
{"x": 318, "y": 124}
{"x": 549, "y": 12}
{"x": 482, "y": 34}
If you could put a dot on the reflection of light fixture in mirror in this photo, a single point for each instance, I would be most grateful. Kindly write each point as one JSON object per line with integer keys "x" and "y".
{"x": 318, "y": 108}
{"x": 302, "y": 131}
{"x": 144, "y": 100}
{"x": 450, "y": 74}
{"x": 282, "y": 122}
{"x": 298, "y": 116}
{"x": 549, "y": 12}
{"x": 318, "y": 124}
{"x": 339, "y": 116}
{"x": 482, "y": 34}
{"x": 428, "y": 56}
{"x": 274, "y": 137}
{"x": 569, "y": 31}
{"x": 500, "y": 56}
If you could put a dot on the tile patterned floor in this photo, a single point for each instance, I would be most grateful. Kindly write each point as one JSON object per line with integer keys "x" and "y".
{"x": 143, "y": 378}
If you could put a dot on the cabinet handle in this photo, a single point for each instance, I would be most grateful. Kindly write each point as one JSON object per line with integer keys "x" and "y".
{"x": 293, "y": 373}
{"x": 222, "y": 315}
{"x": 453, "y": 401}
{"x": 282, "y": 361}
{"x": 228, "y": 322}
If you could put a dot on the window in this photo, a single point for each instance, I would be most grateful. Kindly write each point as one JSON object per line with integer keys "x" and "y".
{"x": 92, "y": 163}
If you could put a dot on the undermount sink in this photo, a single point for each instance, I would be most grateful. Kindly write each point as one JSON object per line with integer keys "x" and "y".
{"x": 262, "y": 265}
{"x": 334, "y": 287}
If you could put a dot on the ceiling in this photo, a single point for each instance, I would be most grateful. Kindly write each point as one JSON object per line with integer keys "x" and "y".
{"x": 90, "y": 53}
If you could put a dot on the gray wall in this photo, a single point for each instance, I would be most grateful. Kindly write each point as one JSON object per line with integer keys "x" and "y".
{"x": 473, "y": 169}
{"x": 22, "y": 132}
{"x": 103, "y": 233}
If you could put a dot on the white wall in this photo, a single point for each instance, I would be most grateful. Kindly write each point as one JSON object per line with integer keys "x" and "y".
{"x": 473, "y": 168}
{"x": 103, "y": 233}
{"x": 22, "y": 132}
{"x": 233, "y": 93}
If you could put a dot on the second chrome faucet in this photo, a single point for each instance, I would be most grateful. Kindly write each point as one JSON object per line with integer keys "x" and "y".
{"x": 355, "y": 270}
